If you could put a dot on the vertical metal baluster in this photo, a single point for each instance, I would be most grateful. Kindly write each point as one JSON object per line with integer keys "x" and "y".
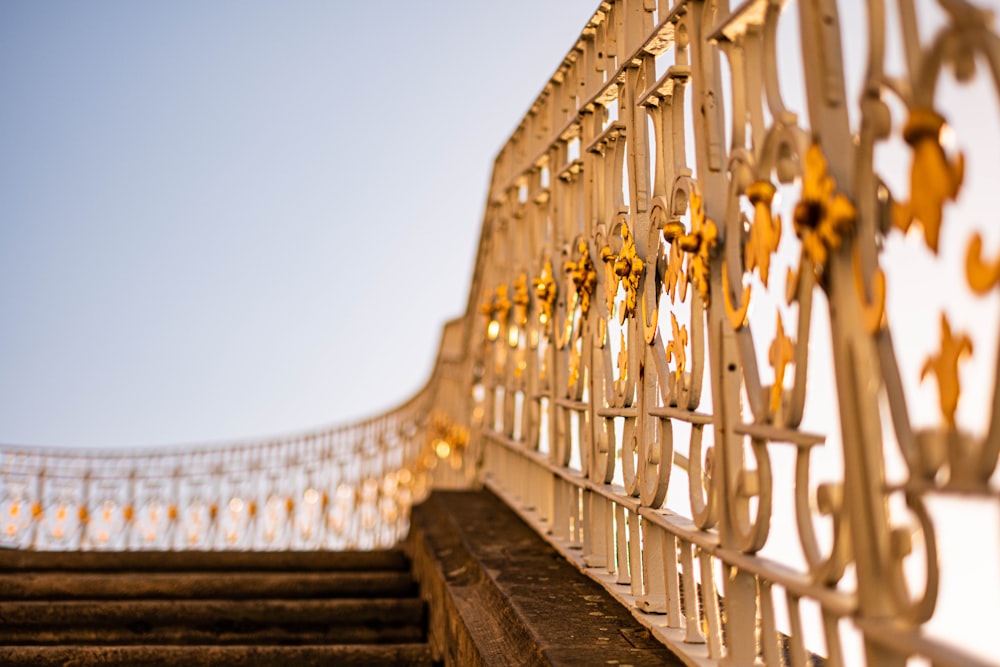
{"x": 670, "y": 576}
{"x": 831, "y": 631}
{"x": 621, "y": 545}
{"x": 588, "y": 526}
{"x": 710, "y": 604}
{"x": 770, "y": 648}
{"x": 740, "y": 612}
{"x": 796, "y": 640}
{"x": 594, "y": 548}
{"x": 634, "y": 553}
{"x": 692, "y": 625}
{"x": 610, "y": 560}
{"x": 128, "y": 511}
{"x": 83, "y": 512}
{"x": 654, "y": 597}
{"x": 576, "y": 514}
{"x": 36, "y": 520}
{"x": 560, "y": 513}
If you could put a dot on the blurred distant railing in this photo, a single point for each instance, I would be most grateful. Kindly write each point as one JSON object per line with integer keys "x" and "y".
{"x": 349, "y": 487}
{"x": 702, "y": 204}
{"x": 344, "y": 488}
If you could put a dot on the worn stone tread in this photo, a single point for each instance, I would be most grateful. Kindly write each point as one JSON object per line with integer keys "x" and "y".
{"x": 417, "y": 655}
{"x": 231, "y": 615}
{"x": 55, "y": 585}
{"x": 202, "y": 561}
{"x": 216, "y": 636}
{"x": 204, "y": 608}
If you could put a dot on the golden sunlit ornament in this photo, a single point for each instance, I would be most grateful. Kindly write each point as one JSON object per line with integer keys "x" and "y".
{"x": 765, "y": 231}
{"x": 582, "y": 274}
{"x": 823, "y": 217}
{"x": 779, "y": 355}
{"x": 545, "y": 292}
{"x": 496, "y": 309}
{"x": 933, "y": 179}
{"x": 944, "y": 367}
{"x": 677, "y": 350}
{"x": 625, "y": 269}
{"x": 699, "y": 245}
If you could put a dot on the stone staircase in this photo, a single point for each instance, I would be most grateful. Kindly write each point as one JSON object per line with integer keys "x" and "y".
{"x": 210, "y": 608}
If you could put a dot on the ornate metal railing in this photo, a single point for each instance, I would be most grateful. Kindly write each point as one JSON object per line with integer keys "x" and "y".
{"x": 348, "y": 487}
{"x": 701, "y": 205}
{"x": 339, "y": 488}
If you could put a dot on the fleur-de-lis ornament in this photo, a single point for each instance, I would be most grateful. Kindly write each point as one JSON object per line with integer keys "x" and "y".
{"x": 699, "y": 245}
{"x": 521, "y": 299}
{"x": 779, "y": 355}
{"x": 677, "y": 349}
{"x": 765, "y": 232}
{"x": 582, "y": 274}
{"x": 545, "y": 292}
{"x": 933, "y": 179}
{"x": 675, "y": 280}
{"x": 620, "y": 383}
{"x": 496, "y": 308}
{"x": 824, "y": 216}
{"x": 574, "y": 367}
{"x": 626, "y": 270}
{"x": 944, "y": 367}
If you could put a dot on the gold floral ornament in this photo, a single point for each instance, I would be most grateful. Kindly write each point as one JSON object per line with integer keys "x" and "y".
{"x": 574, "y": 367}
{"x": 824, "y": 216}
{"x": 779, "y": 355}
{"x": 582, "y": 274}
{"x": 622, "y": 380}
{"x": 545, "y": 292}
{"x": 522, "y": 299}
{"x": 521, "y": 302}
{"x": 699, "y": 245}
{"x": 444, "y": 439}
{"x": 496, "y": 309}
{"x": 626, "y": 271}
{"x": 933, "y": 179}
{"x": 765, "y": 232}
{"x": 675, "y": 281}
{"x": 677, "y": 349}
{"x": 944, "y": 366}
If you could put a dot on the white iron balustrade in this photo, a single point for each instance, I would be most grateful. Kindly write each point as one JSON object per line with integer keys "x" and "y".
{"x": 731, "y": 346}
{"x": 340, "y": 489}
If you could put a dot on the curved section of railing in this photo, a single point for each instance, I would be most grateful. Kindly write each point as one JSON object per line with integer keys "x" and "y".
{"x": 733, "y": 274}
{"x": 340, "y": 488}
{"x": 347, "y": 487}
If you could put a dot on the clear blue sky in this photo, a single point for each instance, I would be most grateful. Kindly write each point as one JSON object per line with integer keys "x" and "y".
{"x": 227, "y": 219}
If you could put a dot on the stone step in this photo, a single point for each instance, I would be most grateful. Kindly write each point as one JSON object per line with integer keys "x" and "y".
{"x": 210, "y": 608}
{"x": 62, "y": 585}
{"x": 418, "y": 655}
{"x": 203, "y": 561}
{"x": 342, "y": 621}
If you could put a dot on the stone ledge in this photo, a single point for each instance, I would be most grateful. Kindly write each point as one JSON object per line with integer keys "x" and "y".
{"x": 498, "y": 594}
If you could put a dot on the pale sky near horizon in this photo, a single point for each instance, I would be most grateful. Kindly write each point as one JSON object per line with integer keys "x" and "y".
{"x": 235, "y": 219}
